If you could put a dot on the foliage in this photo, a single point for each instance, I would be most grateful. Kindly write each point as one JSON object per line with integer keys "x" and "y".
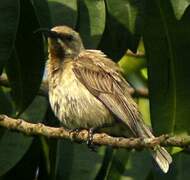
{"x": 114, "y": 27}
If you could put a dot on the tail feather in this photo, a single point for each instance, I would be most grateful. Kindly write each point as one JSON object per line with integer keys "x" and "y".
{"x": 160, "y": 155}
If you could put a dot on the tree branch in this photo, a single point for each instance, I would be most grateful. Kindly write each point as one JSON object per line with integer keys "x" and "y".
{"x": 98, "y": 139}
{"x": 43, "y": 91}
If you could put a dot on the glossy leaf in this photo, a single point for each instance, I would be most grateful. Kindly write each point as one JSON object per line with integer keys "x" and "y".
{"x": 123, "y": 164}
{"x": 64, "y": 160}
{"x": 106, "y": 164}
{"x": 117, "y": 166}
{"x": 63, "y": 12}
{"x": 122, "y": 30}
{"x": 144, "y": 108}
{"x": 9, "y": 18}
{"x": 42, "y": 13}
{"x": 29, "y": 163}
{"x": 167, "y": 48}
{"x": 26, "y": 65}
{"x": 77, "y": 160}
{"x": 47, "y": 167}
{"x": 132, "y": 66}
{"x": 179, "y": 7}
{"x": 14, "y": 145}
{"x": 138, "y": 165}
{"x": 91, "y": 21}
{"x": 6, "y": 106}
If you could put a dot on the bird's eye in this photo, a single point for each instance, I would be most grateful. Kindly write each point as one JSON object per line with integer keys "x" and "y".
{"x": 69, "y": 38}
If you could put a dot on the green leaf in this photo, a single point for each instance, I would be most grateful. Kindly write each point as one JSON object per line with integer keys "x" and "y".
{"x": 63, "y": 12}
{"x": 167, "y": 47}
{"x": 106, "y": 164}
{"x": 6, "y": 106}
{"x": 123, "y": 24}
{"x": 42, "y": 13}
{"x": 14, "y": 145}
{"x": 50, "y": 157}
{"x": 29, "y": 162}
{"x": 77, "y": 160}
{"x": 117, "y": 166}
{"x": 26, "y": 65}
{"x": 123, "y": 164}
{"x": 179, "y": 7}
{"x": 138, "y": 165}
{"x": 64, "y": 160}
{"x": 144, "y": 108}
{"x": 49, "y": 147}
{"x": 9, "y": 18}
{"x": 132, "y": 65}
{"x": 91, "y": 21}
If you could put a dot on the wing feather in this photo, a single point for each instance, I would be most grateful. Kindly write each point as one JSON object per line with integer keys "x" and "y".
{"x": 104, "y": 80}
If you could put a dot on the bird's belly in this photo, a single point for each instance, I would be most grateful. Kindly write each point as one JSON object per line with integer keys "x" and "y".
{"x": 76, "y": 107}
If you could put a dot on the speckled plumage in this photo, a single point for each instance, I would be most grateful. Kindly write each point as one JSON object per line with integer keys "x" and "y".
{"x": 87, "y": 90}
{"x": 73, "y": 104}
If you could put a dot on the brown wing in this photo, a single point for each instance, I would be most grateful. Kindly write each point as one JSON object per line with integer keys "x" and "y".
{"x": 102, "y": 78}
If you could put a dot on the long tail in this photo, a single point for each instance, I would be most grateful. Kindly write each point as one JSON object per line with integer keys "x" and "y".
{"x": 160, "y": 155}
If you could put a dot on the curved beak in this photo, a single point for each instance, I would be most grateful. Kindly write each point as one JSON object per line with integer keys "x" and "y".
{"x": 48, "y": 33}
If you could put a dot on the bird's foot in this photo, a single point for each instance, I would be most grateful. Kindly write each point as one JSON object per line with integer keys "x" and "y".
{"x": 90, "y": 139}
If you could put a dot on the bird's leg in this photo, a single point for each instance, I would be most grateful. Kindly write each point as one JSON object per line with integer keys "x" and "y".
{"x": 90, "y": 139}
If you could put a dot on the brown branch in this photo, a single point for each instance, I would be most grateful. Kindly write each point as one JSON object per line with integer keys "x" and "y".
{"x": 98, "y": 139}
{"x": 43, "y": 91}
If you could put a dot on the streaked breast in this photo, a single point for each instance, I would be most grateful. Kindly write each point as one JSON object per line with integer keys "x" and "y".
{"x": 74, "y": 105}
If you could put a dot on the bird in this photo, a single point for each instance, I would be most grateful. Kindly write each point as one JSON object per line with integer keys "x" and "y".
{"x": 87, "y": 89}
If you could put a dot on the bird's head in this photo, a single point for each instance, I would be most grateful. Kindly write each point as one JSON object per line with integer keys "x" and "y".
{"x": 63, "y": 42}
